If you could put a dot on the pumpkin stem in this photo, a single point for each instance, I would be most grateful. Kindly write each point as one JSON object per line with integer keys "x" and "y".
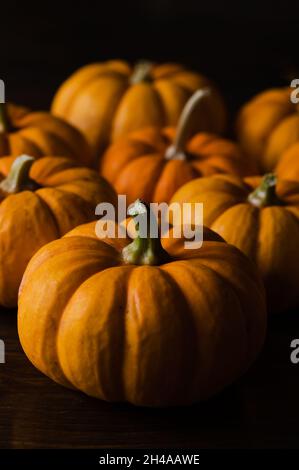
{"x": 265, "y": 194}
{"x": 177, "y": 150}
{"x": 18, "y": 177}
{"x": 144, "y": 249}
{"x": 5, "y": 125}
{"x": 141, "y": 72}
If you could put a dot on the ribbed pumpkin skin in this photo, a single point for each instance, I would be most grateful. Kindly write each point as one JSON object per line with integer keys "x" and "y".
{"x": 269, "y": 236}
{"x": 40, "y": 134}
{"x": 150, "y": 335}
{"x": 30, "y": 219}
{"x": 136, "y": 165}
{"x": 267, "y": 125}
{"x": 101, "y": 102}
{"x": 288, "y": 165}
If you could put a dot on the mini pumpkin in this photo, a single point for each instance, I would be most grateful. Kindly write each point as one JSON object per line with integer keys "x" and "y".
{"x": 259, "y": 215}
{"x": 39, "y": 134}
{"x": 288, "y": 165}
{"x": 153, "y": 163}
{"x": 267, "y": 125}
{"x": 108, "y": 100}
{"x": 140, "y": 322}
{"x": 40, "y": 201}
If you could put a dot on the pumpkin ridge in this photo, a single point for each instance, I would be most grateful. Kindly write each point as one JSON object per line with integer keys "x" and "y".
{"x": 226, "y": 213}
{"x": 150, "y": 187}
{"x": 13, "y": 266}
{"x": 42, "y": 130}
{"x": 150, "y": 149}
{"x": 216, "y": 164}
{"x": 75, "y": 186}
{"x": 206, "y": 139}
{"x": 121, "y": 117}
{"x": 68, "y": 135}
{"x": 97, "y": 276}
{"x": 40, "y": 141}
{"x": 121, "y": 371}
{"x": 108, "y": 119}
{"x": 31, "y": 119}
{"x": 276, "y": 226}
{"x": 166, "y": 121}
{"x": 68, "y": 107}
{"x": 49, "y": 209}
{"x": 53, "y": 193}
{"x": 216, "y": 169}
{"x": 209, "y": 272}
{"x": 131, "y": 161}
{"x": 67, "y": 153}
{"x": 189, "y": 323}
{"x": 47, "y": 169}
{"x": 76, "y": 83}
{"x": 242, "y": 308}
{"x": 47, "y": 180}
{"x": 15, "y": 139}
{"x": 221, "y": 209}
{"x": 168, "y": 88}
{"x": 162, "y": 106}
{"x": 88, "y": 177}
{"x": 68, "y": 299}
{"x": 236, "y": 187}
{"x": 140, "y": 339}
{"x": 266, "y": 141}
{"x": 188, "y": 317}
{"x": 165, "y": 172}
{"x": 254, "y": 285}
{"x": 72, "y": 245}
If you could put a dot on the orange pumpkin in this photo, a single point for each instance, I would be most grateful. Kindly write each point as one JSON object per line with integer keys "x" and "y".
{"x": 288, "y": 165}
{"x": 39, "y": 134}
{"x": 267, "y": 125}
{"x": 108, "y": 100}
{"x": 153, "y": 163}
{"x": 261, "y": 217}
{"x": 40, "y": 206}
{"x": 138, "y": 322}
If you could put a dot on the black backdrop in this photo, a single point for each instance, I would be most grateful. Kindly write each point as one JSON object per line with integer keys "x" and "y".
{"x": 245, "y": 47}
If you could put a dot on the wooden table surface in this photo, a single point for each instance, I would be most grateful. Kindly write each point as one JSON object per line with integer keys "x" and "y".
{"x": 260, "y": 410}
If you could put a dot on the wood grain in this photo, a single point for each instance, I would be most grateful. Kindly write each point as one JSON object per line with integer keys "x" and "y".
{"x": 261, "y": 410}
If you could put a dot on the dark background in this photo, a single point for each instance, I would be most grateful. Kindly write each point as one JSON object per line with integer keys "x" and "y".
{"x": 244, "y": 46}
